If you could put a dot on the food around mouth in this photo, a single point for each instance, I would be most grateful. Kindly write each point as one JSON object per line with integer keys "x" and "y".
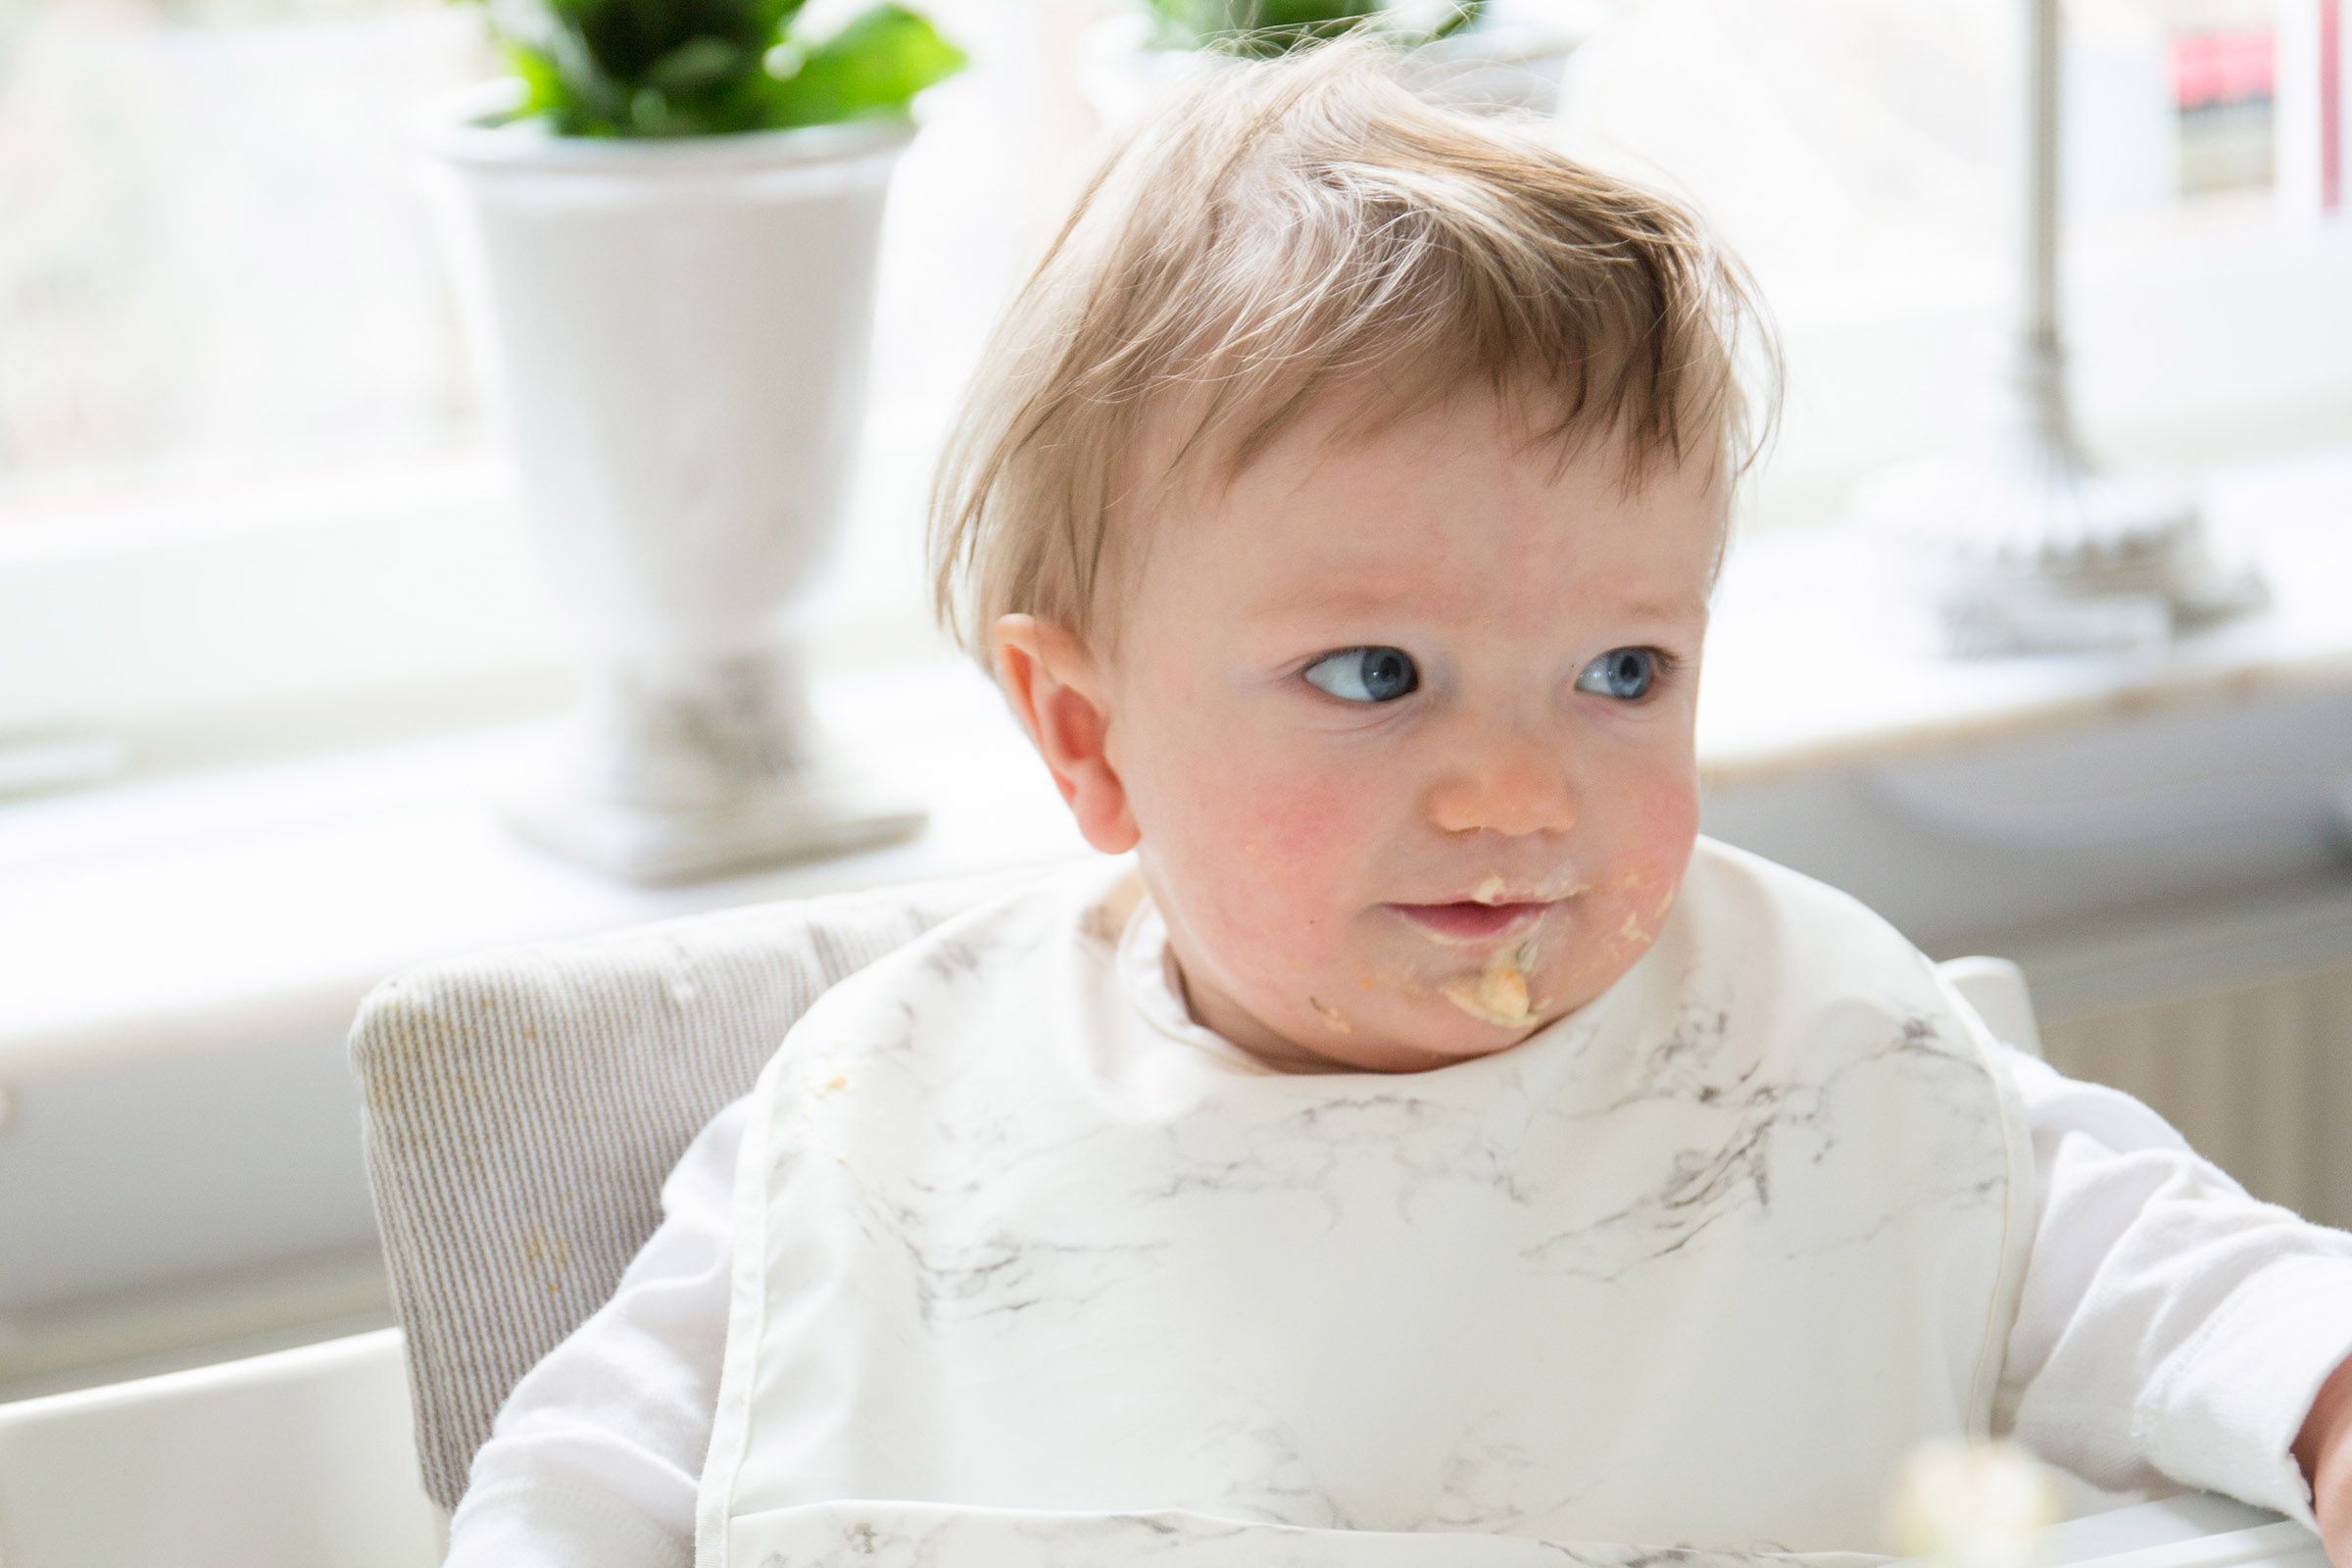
{"x": 1499, "y": 994}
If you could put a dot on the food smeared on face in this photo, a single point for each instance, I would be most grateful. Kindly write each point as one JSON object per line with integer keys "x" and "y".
{"x": 1500, "y": 993}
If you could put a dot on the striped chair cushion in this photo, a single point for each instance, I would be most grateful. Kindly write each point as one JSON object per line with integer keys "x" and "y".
{"x": 524, "y": 1106}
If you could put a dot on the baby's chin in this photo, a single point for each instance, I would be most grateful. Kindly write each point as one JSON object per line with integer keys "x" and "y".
{"x": 1390, "y": 1000}
{"x": 1405, "y": 1050}
{"x": 1444, "y": 1004}
{"x": 1410, "y": 1027}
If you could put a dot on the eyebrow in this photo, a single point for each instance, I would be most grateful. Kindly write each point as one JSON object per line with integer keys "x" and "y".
{"x": 1341, "y": 604}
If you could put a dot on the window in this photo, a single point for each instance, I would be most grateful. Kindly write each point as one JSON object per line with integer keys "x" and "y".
{"x": 210, "y": 277}
{"x": 244, "y": 465}
{"x": 1863, "y": 157}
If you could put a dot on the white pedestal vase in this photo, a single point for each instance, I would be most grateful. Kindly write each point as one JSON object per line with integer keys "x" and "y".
{"x": 678, "y": 334}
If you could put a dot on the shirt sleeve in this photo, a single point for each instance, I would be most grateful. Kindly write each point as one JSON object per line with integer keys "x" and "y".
{"x": 2171, "y": 1327}
{"x": 595, "y": 1459}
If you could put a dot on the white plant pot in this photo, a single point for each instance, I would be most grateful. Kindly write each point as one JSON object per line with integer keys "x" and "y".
{"x": 1514, "y": 63}
{"x": 677, "y": 332}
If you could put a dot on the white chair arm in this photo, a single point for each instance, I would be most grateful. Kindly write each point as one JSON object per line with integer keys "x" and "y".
{"x": 1997, "y": 989}
{"x": 305, "y": 1455}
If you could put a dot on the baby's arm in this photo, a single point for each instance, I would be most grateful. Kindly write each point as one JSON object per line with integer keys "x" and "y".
{"x": 2172, "y": 1328}
{"x": 2324, "y": 1455}
{"x": 595, "y": 1456}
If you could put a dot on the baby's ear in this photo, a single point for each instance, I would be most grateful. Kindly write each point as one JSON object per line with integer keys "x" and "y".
{"x": 1054, "y": 690}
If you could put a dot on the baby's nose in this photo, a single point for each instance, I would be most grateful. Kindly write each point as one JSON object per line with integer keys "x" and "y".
{"x": 1513, "y": 789}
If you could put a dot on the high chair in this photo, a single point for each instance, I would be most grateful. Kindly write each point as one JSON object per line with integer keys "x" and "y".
{"x": 522, "y": 1107}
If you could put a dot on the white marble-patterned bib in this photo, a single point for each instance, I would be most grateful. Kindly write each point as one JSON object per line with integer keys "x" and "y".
{"x": 1032, "y": 1271}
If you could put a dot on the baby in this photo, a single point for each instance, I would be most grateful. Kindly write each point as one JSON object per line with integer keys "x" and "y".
{"x": 1412, "y": 1144}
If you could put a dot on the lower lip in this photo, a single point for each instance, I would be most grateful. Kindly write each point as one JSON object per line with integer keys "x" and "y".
{"x": 1472, "y": 923}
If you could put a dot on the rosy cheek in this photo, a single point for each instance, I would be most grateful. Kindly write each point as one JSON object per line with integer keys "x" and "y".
{"x": 1658, "y": 836}
{"x": 1628, "y": 907}
{"x": 1304, "y": 848}
{"x": 1264, "y": 857}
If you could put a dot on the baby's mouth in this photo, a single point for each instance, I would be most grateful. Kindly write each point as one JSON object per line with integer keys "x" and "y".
{"x": 1472, "y": 923}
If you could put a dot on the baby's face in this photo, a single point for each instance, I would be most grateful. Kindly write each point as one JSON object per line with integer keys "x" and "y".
{"x": 1412, "y": 672}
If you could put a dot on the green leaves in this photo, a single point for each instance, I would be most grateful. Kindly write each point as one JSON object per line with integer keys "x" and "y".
{"x": 877, "y": 63}
{"x": 1465, "y": 14}
{"x": 696, "y": 66}
{"x": 1265, "y": 27}
{"x": 688, "y": 68}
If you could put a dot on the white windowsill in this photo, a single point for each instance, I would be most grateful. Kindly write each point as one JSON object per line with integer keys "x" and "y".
{"x": 215, "y": 909}
{"x": 1819, "y": 658}
{"x": 260, "y": 901}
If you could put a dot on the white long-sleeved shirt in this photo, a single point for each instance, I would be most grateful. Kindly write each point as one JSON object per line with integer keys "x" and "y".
{"x": 2171, "y": 1332}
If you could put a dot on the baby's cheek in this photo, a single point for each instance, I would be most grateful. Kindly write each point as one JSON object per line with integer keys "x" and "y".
{"x": 1284, "y": 870}
{"x": 1307, "y": 844}
{"x": 1629, "y": 902}
{"x": 1661, "y": 842}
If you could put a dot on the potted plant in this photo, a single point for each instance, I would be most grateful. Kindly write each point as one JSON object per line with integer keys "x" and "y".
{"x": 663, "y": 229}
{"x": 1481, "y": 54}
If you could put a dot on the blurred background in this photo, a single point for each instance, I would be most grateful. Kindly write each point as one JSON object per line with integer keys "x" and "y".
{"x": 269, "y": 620}
{"x": 219, "y": 296}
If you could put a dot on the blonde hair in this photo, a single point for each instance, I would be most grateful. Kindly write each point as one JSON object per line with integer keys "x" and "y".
{"x": 1281, "y": 228}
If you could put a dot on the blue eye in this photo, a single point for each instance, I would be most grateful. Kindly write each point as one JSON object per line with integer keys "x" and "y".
{"x": 1383, "y": 674}
{"x": 1623, "y": 672}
